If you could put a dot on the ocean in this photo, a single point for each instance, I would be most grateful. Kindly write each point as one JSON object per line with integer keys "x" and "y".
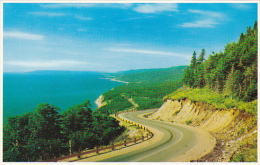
{"x": 22, "y": 92}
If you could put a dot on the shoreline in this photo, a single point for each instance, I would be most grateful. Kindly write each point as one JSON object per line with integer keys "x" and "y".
{"x": 99, "y": 100}
{"x": 113, "y": 79}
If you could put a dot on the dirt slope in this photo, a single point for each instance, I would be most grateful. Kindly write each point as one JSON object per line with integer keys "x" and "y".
{"x": 230, "y": 127}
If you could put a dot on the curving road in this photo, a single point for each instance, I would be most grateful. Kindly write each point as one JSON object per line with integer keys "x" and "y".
{"x": 176, "y": 141}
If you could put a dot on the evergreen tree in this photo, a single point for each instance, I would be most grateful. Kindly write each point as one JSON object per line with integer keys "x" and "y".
{"x": 202, "y": 56}
{"x": 193, "y": 61}
{"x": 190, "y": 72}
{"x": 200, "y": 76}
{"x": 188, "y": 77}
{"x": 255, "y": 28}
{"x": 233, "y": 71}
{"x": 241, "y": 38}
{"x": 229, "y": 86}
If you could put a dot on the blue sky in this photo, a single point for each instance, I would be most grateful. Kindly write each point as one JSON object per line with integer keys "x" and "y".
{"x": 114, "y": 37}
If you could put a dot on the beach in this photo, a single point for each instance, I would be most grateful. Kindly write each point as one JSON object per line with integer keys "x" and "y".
{"x": 113, "y": 79}
{"x": 98, "y": 102}
{"x": 119, "y": 81}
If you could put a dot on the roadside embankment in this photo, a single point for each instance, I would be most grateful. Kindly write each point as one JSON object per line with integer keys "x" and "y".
{"x": 230, "y": 127}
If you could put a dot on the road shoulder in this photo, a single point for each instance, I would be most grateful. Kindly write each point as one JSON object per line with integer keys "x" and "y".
{"x": 205, "y": 144}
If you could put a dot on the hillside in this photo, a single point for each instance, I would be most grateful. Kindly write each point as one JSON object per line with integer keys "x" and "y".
{"x": 232, "y": 73}
{"x": 219, "y": 95}
{"x": 235, "y": 131}
{"x": 146, "y": 89}
{"x": 152, "y": 75}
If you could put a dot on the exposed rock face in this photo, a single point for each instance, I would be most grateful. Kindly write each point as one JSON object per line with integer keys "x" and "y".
{"x": 228, "y": 126}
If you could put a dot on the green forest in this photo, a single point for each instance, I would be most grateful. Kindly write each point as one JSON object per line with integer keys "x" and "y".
{"x": 145, "y": 95}
{"x": 146, "y": 89}
{"x": 45, "y": 133}
{"x": 160, "y": 75}
{"x": 232, "y": 72}
{"x": 229, "y": 78}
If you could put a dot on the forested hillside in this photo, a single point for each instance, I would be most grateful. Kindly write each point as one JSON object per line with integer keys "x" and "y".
{"x": 232, "y": 73}
{"x": 222, "y": 88}
{"x": 152, "y": 75}
{"x": 145, "y": 95}
{"x": 146, "y": 89}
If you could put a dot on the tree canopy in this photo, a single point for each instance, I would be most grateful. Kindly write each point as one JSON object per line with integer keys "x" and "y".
{"x": 232, "y": 72}
{"x": 45, "y": 133}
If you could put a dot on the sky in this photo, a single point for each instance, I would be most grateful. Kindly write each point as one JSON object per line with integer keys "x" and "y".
{"x": 111, "y": 37}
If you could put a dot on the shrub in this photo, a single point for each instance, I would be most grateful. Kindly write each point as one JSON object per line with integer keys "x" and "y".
{"x": 188, "y": 122}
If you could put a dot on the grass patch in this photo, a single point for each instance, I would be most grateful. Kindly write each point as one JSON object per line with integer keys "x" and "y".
{"x": 219, "y": 101}
{"x": 176, "y": 112}
{"x": 247, "y": 151}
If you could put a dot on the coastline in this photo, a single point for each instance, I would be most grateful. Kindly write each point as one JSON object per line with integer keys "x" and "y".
{"x": 113, "y": 79}
{"x": 98, "y": 101}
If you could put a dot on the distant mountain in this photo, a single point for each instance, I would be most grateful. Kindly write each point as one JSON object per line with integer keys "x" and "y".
{"x": 156, "y": 75}
{"x": 59, "y": 71}
{"x": 151, "y": 75}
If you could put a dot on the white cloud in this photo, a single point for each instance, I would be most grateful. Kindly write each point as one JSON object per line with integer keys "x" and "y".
{"x": 154, "y": 8}
{"x": 206, "y": 13}
{"x": 87, "y": 5}
{"x": 45, "y": 64}
{"x": 241, "y": 6}
{"x": 68, "y": 5}
{"x": 83, "y": 18}
{"x": 117, "y": 5}
{"x": 136, "y": 18}
{"x": 207, "y": 23}
{"x": 147, "y": 52}
{"x": 22, "y": 35}
{"x": 208, "y": 19}
{"x": 47, "y": 14}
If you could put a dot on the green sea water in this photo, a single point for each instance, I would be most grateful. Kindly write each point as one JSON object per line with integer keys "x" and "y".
{"x": 22, "y": 92}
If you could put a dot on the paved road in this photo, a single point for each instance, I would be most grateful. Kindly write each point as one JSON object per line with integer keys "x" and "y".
{"x": 177, "y": 140}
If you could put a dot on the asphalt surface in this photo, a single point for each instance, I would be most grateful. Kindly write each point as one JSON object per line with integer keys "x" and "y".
{"x": 176, "y": 141}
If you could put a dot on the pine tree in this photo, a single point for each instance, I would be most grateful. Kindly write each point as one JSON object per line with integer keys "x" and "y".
{"x": 229, "y": 86}
{"x": 238, "y": 81}
{"x": 248, "y": 30}
{"x": 188, "y": 77}
{"x": 255, "y": 28}
{"x": 201, "y": 79}
{"x": 233, "y": 71}
{"x": 193, "y": 61}
{"x": 202, "y": 56}
{"x": 241, "y": 38}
